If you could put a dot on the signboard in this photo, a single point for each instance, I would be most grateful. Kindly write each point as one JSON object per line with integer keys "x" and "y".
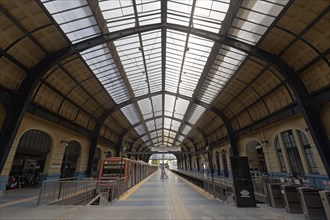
{"x": 56, "y": 165}
{"x": 243, "y": 186}
{"x": 165, "y": 149}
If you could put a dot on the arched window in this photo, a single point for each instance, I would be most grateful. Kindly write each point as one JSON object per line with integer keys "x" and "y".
{"x": 31, "y": 155}
{"x": 293, "y": 154}
{"x": 280, "y": 155}
{"x": 256, "y": 157}
{"x": 308, "y": 152}
{"x": 34, "y": 142}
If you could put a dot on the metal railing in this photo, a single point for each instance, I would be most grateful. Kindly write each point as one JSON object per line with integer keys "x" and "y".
{"x": 67, "y": 191}
{"x": 111, "y": 190}
{"x": 219, "y": 188}
{"x": 70, "y": 191}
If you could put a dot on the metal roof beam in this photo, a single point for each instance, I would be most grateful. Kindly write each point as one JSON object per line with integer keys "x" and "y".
{"x": 298, "y": 87}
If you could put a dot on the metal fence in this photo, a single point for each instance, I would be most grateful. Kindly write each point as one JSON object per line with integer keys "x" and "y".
{"x": 67, "y": 191}
{"x": 81, "y": 192}
{"x": 219, "y": 188}
{"x": 111, "y": 190}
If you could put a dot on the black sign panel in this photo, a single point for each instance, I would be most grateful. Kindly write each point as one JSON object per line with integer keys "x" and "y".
{"x": 243, "y": 186}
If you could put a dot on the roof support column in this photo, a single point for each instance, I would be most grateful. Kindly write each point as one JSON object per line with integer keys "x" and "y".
{"x": 312, "y": 115}
{"x": 94, "y": 137}
{"x": 16, "y": 105}
{"x": 185, "y": 162}
{"x": 119, "y": 146}
{"x": 92, "y": 148}
{"x": 197, "y": 157}
{"x": 14, "y": 115}
{"x": 190, "y": 162}
{"x": 231, "y": 134}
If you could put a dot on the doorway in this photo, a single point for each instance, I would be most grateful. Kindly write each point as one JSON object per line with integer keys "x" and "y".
{"x": 256, "y": 158}
{"x": 70, "y": 159}
{"x": 29, "y": 160}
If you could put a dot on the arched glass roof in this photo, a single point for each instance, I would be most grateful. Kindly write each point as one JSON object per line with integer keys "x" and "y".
{"x": 164, "y": 65}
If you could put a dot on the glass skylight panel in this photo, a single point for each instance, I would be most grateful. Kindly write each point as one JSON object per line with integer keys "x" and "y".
{"x": 152, "y": 50}
{"x": 131, "y": 113}
{"x": 100, "y": 61}
{"x": 81, "y": 23}
{"x": 166, "y": 133}
{"x": 169, "y": 105}
{"x": 195, "y": 59}
{"x": 175, "y": 44}
{"x": 140, "y": 129}
{"x": 145, "y": 138}
{"x": 159, "y": 123}
{"x": 148, "y": 11}
{"x": 151, "y": 125}
{"x": 159, "y": 132}
{"x": 150, "y": 19}
{"x": 178, "y": 12}
{"x": 209, "y": 14}
{"x": 245, "y": 36}
{"x": 157, "y": 102}
{"x": 171, "y": 134}
{"x": 197, "y": 112}
{"x": 167, "y": 123}
{"x": 129, "y": 50}
{"x": 246, "y": 25}
{"x": 180, "y": 108}
{"x": 264, "y": 7}
{"x": 180, "y": 138}
{"x": 146, "y": 108}
{"x": 119, "y": 14}
{"x": 225, "y": 65}
{"x": 186, "y": 129}
{"x": 253, "y": 19}
{"x": 159, "y": 139}
{"x": 179, "y": 20}
{"x": 74, "y": 18}
{"x": 153, "y": 134}
{"x": 175, "y": 125}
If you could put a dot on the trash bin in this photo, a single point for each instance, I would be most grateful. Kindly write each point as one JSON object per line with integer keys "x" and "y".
{"x": 311, "y": 203}
{"x": 325, "y": 198}
{"x": 275, "y": 195}
{"x": 291, "y": 198}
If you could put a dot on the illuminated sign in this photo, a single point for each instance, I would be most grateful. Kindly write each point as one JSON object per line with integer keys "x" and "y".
{"x": 165, "y": 149}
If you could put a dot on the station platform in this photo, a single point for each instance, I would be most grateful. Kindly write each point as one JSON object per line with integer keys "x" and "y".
{"x": 154, "y": 198}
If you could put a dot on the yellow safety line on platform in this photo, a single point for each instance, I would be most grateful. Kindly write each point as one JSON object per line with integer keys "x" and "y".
{"x": 196, "y": 188}
{"x": 17, "y": 201}
{"x": 178, "y": 206}
{"x": 136, "y": 187}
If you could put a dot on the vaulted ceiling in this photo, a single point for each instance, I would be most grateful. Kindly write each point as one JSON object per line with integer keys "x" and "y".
{"x": 151, "y": 73}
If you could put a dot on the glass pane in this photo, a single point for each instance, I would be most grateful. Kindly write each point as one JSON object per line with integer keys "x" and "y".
{"x": 109, "y": 75}
{"x": 225, "y": 65}
{"x": 131, "y": 113}
{"x": 254, "y": 18}
{"x": 74, "y": 18}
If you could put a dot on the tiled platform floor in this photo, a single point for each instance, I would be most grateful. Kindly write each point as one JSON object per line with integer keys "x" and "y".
{"x": 171, "y": 198}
